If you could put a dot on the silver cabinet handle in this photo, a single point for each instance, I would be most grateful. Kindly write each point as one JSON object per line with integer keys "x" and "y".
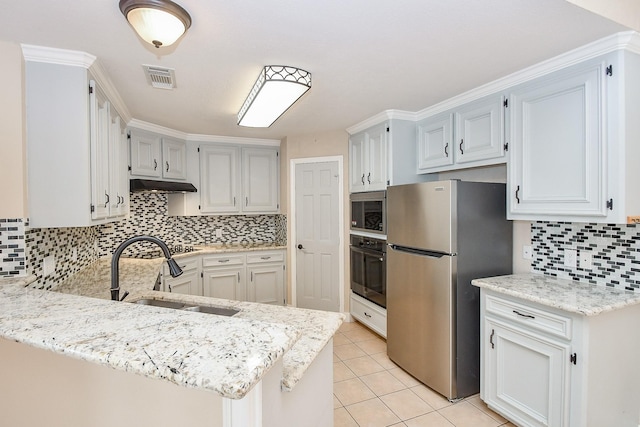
{"x": 362, "y": 179}
{"x": 367, "y": 314}
{"x": 155, "y": 164}
{"x": 369, "y": 178}
{"x": 246, "y": 201}
{"x": 223, "y": 260}
{"x": 167, "y": 166}
{"x": 234, "y": 201}
{"x": 265, "y": 257}
{"x": 238, "y": 277}
{"x": 517, "y": 191}
{"x": 107, "y": 198}
{"x": 491, "y": 338}
{"x": 446, "y": 150}
{"x": 461, "y": 143}
{"x": 170, "y": 290}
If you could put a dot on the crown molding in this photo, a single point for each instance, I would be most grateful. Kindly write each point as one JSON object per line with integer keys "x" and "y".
{"x": 626, "y": 40}
{"x": 381, "y": 117}
{"x": 53, "y": 55}
{"x": 151, "y": 127}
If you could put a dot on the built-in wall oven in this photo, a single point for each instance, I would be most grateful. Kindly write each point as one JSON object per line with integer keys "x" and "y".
{"x": 368, "y": 268}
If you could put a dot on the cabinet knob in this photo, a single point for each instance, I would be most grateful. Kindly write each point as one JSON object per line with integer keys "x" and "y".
{"x": 300, "y": 247}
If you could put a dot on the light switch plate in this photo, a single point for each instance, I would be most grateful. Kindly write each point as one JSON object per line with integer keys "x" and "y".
{"x": 48, "y": 265}
{"x": 218, "y": 232}
{"x": 570, "y": 258}
{"x": 586, "y": 260}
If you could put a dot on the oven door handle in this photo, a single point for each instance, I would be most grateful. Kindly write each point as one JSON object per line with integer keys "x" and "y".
{"x": 379, "y": 254}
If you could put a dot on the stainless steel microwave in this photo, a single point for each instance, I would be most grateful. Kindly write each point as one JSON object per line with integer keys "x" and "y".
{"x": 369, "y": 212}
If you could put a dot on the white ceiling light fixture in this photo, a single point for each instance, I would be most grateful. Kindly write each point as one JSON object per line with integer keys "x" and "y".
{"x": 159, "y": 22}
{"x": 277, "y": 88}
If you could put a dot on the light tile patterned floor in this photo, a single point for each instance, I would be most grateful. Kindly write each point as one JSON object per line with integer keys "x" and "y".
{"x": 369, "y": 390}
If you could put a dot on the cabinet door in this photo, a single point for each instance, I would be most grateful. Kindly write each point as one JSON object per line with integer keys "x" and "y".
{"x": 266, "y": 284}
{"x": 227, "y": 283}
{"x": 557, "y": 160}
{"x": 480, "y": 130}
{"x": 376, "y": 154}
{"x": 187, "y": 283}
{"x": 219, "y": 179}
{"x": 145, "y": 154}
{"x": 119, "y": 183}
{"x": 100, "y": 147}
{"x": 435, "y": 142}
{"x": 260, "y": 182}
{"x": 526, "y": 375}
{"x": 357, "y": 162}
{"x": 174, "y": 158}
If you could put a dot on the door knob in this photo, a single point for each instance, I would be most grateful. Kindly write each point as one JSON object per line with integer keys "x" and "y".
{"x": 300, "y": 247}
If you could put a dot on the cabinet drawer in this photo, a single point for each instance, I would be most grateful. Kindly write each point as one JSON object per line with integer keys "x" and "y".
{"x": 222, "y": 260}
{"x": 534, "y": 318}
{"x": 258, "y": 257}
{"x": 186, "y": 264}
{"x": 375, "y": 317}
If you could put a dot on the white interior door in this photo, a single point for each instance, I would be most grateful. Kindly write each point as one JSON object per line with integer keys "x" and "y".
{"x": 317, "y": 235}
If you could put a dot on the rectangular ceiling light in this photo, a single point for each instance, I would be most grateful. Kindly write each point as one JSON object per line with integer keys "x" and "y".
{"x": 277, "y": 88}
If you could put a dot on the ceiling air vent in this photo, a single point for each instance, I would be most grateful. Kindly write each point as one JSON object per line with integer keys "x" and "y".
{"x": 161, "y": 78}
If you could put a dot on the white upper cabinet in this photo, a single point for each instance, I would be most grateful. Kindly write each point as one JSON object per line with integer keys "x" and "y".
{"x": 157, "y": 156}
{"x": 572, "y": 136}
{"x": 470, "y": 135}
{"x": 235, "y": 179}
{"x": 260, "y": 183}
{"x": 368, "y": 159}
{"x": 219, "y": 179}
{"x": 73, "y": 170}
{"x": 435, "y": 142}
{"x": 382, "y": 155}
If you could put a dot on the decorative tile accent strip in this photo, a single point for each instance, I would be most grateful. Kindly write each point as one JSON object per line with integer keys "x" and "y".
{"x": 615, "y": 249}
{"x": 12, "y": 247}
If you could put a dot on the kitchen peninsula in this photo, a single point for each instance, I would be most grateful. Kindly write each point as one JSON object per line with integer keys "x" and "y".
{"x": 266, "y": 365}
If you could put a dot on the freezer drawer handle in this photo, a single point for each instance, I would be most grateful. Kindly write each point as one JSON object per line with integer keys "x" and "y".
{"x": 493, "y": 332}
{"x": 528, "y": 316}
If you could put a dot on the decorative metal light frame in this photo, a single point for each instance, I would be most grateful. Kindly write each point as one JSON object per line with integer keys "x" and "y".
{"x": 159, "y": 22}
{"x": 277, "y": 88}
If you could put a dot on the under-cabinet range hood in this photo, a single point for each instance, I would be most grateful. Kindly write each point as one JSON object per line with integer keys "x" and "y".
{"x": 140, "y": 185}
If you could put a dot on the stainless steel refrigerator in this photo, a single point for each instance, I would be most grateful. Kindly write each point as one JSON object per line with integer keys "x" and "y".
{"x": 441, "y": 235}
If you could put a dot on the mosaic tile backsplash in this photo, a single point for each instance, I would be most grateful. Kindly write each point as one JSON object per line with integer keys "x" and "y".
{"x": 615, "y": 251}
{"x": 76, "y": 248}
{"x": 12, "y": 247}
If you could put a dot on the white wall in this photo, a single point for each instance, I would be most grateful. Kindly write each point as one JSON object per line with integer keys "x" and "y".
{"x": 12, "y": 133}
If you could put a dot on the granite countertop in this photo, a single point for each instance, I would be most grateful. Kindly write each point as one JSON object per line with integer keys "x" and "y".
{"x": 225, "y": 355}
{"x": 567, "y": 295}
{"x": 111, "y": 339}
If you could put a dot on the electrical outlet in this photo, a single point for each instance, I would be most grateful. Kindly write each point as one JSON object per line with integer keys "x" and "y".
{"x": 586, "y": 260}
{"x": 527, "y": 252}
{"x": 570, "y": 258}
{"x": 74, "y": 253}
{"x": 48, "y": 265}
{"x": 218, "y": 232}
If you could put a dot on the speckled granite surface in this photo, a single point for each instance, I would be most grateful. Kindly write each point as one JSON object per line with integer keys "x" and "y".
{"x": 225, "y": 355}
{"x": 69, "y": 325}
{"x": 21, "y": 281}
{"x": 567, "y": 295}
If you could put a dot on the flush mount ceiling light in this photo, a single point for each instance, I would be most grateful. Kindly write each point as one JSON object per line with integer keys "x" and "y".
{"x": 277, "y": 88}
{"x": 159, "y": 22}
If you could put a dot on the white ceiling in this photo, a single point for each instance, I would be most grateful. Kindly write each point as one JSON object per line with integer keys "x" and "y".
{"x": 366, "y": 56}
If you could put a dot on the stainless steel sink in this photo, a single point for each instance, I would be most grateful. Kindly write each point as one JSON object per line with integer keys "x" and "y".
{"x": 220, "y": 311}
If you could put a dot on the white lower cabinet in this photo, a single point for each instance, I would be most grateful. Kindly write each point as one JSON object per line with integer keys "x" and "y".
{"x": 223, "y": 276}
{"x": 256, "y": 276}
{"x": 368, "y": 313}
{"x": 265, "y": 273}
{"x": 542, "y": 366}
{"x": 188, "y": 282}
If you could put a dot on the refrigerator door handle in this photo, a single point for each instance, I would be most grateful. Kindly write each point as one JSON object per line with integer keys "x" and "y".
{"x": 420, "y": 252}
